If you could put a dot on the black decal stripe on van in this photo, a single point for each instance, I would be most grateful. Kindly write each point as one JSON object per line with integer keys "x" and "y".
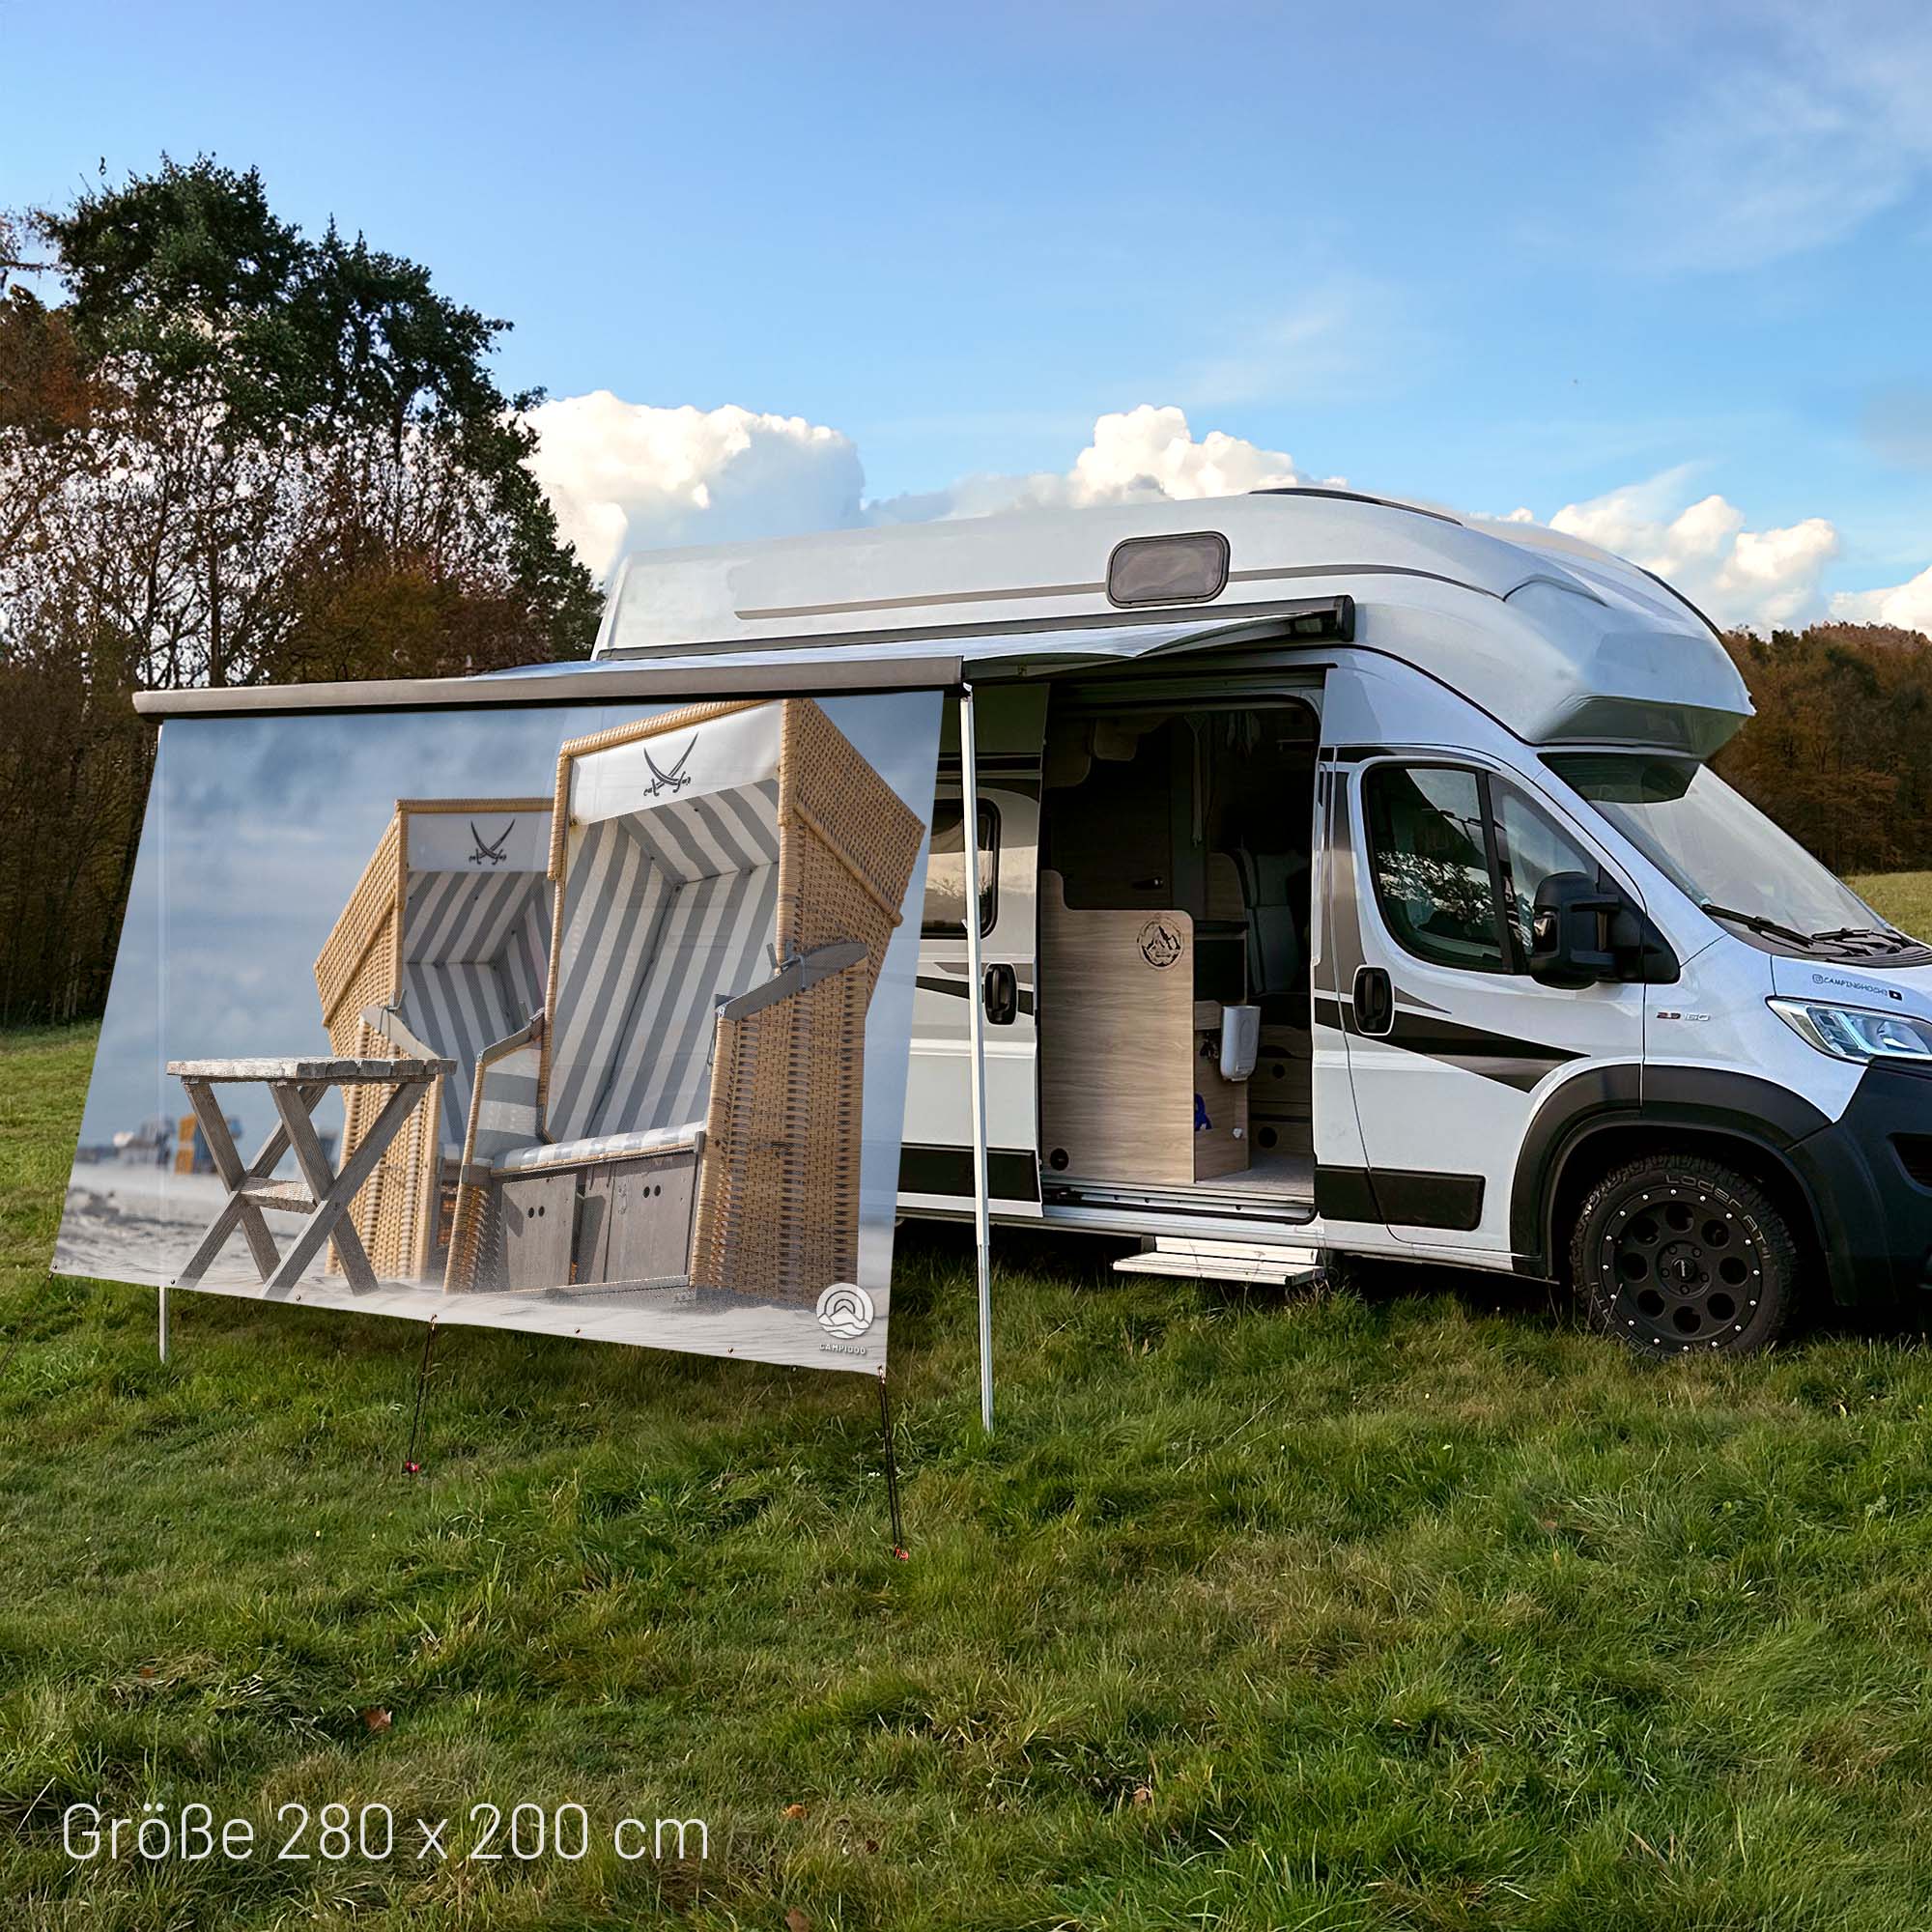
{"x": 957, "y": 988}
{"x": 1412, "y": 1199}
{"x": 1494, "y": 1056}
{"x": 1399, "y": 1197}
{"x": 1344, "y": 1194}
{"x": 1403, "y": 997}
{"x": 1013, "y": 1174}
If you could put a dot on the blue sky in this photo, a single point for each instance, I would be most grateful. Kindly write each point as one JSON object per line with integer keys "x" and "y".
{"x": 1624, "y": 260}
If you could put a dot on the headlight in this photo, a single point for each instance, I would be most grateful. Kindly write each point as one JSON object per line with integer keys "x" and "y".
{"x": 1851, "y": 1033}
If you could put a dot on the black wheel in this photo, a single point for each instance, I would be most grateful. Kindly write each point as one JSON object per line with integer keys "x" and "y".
{"x": 1678, "y": 1252}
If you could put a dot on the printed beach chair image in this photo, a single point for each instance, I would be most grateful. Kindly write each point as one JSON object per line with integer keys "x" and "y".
{"x": 442, "y": 949}
{"x": 686, "y": 1108}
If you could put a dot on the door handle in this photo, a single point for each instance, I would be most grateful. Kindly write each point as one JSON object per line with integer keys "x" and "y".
{"x": 1001, "y": 992}
{"x": 1374, "y": 1000}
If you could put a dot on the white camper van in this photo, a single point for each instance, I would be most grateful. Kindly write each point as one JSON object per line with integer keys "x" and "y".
{"x": 1351, "y": 881}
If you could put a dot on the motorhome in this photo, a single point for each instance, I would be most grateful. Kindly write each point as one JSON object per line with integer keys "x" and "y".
{"x": 1312, "y": 877}
{"x": 1352, "y": 881}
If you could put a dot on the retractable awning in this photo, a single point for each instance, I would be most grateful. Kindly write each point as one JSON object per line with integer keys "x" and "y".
{"x": 811, "y": 665}
{"x": 576, "y": 683}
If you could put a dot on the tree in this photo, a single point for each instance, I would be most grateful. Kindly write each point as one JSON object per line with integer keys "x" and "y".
{"x": 323, "y": 379}
{"x": 1840, "y": 750}
{"x": 230, "y": 455}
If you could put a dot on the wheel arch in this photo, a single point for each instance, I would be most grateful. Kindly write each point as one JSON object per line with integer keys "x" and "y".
{"x": 1595, "y": 1118}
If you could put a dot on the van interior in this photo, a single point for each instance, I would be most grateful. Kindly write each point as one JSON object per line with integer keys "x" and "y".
{"x": 1174, "y": 947}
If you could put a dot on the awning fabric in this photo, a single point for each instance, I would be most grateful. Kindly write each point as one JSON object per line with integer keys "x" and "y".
{"x": 926, "y": 662}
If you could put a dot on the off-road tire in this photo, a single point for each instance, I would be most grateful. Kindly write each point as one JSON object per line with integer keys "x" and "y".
{"x": 1680, "y": 1254}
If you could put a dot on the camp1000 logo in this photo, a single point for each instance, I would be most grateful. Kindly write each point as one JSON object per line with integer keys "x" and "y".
{"x": 1160, "y": 944}
{"x": 845, "y": 1310}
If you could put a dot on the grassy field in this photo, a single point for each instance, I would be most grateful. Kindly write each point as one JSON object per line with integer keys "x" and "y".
{"x": 1903, "y": 897}
{"x": 1417, "y": 1610}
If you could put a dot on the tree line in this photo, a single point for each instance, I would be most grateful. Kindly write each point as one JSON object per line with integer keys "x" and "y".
{"x": 231, "y": 453}
{"x": 1840, "y": 750}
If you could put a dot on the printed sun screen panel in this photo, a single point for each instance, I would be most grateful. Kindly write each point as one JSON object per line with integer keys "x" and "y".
{"x": 590, "y": 1020}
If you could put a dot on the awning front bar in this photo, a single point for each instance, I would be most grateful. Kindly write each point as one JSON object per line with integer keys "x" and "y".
{"x": 564, "y": 684}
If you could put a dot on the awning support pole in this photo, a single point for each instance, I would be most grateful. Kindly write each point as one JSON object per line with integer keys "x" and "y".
{"x": 975, "y": 1026}
{"x": 163, "y": 1336}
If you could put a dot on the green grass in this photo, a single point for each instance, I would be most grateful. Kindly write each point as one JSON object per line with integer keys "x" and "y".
{"x": 1417, "y": 1612}
{"x": 1903, "y": 897}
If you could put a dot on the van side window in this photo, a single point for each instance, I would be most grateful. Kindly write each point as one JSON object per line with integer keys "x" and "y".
{"x": 1429, "y": 854}
{"x": 1530, "y": 848}
{"x": 944, "y": 914}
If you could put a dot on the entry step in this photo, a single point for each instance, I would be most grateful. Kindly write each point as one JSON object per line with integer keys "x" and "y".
{"x": 1223, "y": 1260}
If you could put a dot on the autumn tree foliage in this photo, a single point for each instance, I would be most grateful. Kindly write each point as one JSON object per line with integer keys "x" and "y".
{"x": 228, "y": 454}
{"x": 1840, "y": 750}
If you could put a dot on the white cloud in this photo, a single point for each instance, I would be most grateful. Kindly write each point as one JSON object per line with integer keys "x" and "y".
{"x": 1150, "y": 452}
{"x": 1908, "y": 605}
{"x": 630, "y": 476}
{"x": 627, "y": 476}
{"x": 1753, "y": 578}
{"x": 1137, "y": 455}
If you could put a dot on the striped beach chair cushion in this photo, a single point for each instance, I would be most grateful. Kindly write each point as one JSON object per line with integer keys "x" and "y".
{"x": 669, "y": 912}
{"x": 599, "y": 1147}
{"x": 475, "y": 959}
{"x": 715, "y": 942}
{"x": 459, "y": 1011}
{"x": 615, "y": 902}
{"x": 508, "y": 1119}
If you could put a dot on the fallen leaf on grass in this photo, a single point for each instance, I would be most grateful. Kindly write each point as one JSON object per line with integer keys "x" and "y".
{"x": 797, "y": 1921}
{"x": 794, "y": 1811}
{"x": 376, "y": 1717}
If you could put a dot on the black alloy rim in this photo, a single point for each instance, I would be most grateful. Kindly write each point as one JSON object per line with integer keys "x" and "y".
{"x": 1685, "y": 1266}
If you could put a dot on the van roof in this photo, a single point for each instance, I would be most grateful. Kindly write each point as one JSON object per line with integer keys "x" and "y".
{"x": 1558, "y": 641}
{"x": 1050, "y": 568}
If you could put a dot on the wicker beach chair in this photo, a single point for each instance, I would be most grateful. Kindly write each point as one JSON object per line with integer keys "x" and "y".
{"x": 442, "y": 949}
{"x": 687, "y": 1109}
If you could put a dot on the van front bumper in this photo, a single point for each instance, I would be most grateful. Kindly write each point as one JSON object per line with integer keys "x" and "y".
{"x": 1874, "y": 1211}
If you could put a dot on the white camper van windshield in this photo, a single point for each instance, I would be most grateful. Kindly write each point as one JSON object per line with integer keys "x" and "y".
{"x": 1713, "y": 843}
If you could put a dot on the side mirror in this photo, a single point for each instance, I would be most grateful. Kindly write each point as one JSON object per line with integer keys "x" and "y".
{"x": 1569, "y": 941}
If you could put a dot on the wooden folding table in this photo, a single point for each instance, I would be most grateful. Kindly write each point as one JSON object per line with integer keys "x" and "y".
{"x": 296, "y": 1088}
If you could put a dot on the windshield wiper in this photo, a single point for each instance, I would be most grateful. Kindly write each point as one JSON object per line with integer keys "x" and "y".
{"x": 1898, "y": 939}
{"x": 1757, "y": 922}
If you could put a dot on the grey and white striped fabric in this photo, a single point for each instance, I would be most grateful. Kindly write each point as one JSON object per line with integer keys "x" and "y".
{"x": 507, "y": 1121}
{"x": 464, "y": 915}
{"x": 715, "y": 942}
{"x": 715, "y": 833}
{"x": 475, "y": 956}
{"x": 615, "y": 900}
{"x": 600, "y": 1147}
{"x": 459, "y": 1011}
{"x": 668, "y": 912}
{"x": 524, "y": 960}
